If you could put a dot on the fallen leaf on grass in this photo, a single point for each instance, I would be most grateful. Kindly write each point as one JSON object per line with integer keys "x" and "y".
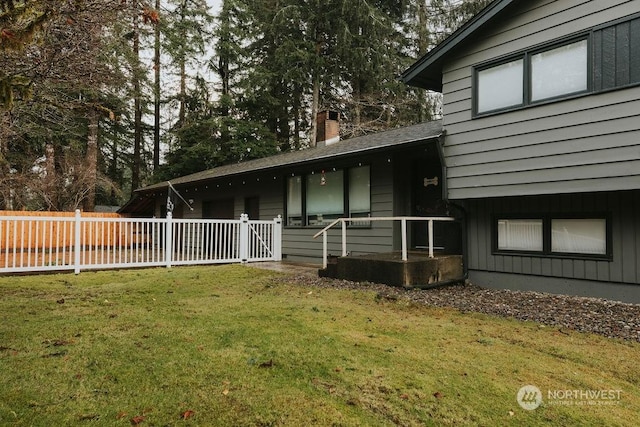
{"x": 225, "y": 391}
{"x": 137, "y": 420}
{"x": 438, "y": 395}
{"x": 121, "y": 415}
{"x": 187, "y": 414}
{"x": 404, "y": 396}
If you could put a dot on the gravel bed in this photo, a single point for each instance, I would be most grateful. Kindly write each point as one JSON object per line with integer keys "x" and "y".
{"x": 609, "y": 318}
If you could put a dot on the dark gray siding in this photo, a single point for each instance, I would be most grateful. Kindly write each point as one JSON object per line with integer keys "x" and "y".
{"x": 589, "y": 143}
{"x": 623, "y": 208}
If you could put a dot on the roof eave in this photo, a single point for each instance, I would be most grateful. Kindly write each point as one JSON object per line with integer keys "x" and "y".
{"x": 426, "y": 72}
{"x": 164, "y": 185}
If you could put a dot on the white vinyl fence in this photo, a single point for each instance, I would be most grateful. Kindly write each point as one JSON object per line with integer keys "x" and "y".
{"x": 77, "y": 243}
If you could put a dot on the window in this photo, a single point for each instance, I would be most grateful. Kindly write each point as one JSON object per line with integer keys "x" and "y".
{"x": 559, "y": 71}
{"x": 294, "y": 200}
{"x": 520, "y": 235}
{"x": 533, "y": 76}
{"x": 318, "y": 198}
{"x": 500, "y": 86}
{"x": 554, "y": 235}
{"x": 579, "y": 236}
{"x": 359, "y": 192}
{"x": 325, "y": 197}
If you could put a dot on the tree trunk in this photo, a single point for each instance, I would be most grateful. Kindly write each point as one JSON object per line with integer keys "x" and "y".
{"x": 137, "y": 138}
{"x": 91, "y": 162}
{"x": 156, "y": 95}
{"x": 50, "y": 190}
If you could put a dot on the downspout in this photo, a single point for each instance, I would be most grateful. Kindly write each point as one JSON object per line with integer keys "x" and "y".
{"x": 463, "y": 212}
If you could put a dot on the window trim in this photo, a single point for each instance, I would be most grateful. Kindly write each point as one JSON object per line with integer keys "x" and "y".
{"x": 546, "y": 252}
{"x": 526, "y": 56}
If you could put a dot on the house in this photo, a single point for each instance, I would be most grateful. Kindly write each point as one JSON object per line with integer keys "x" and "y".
{"x": 538, "y": 153}
{"x": 542, "y": 119}
{"x": 376, "y": 175}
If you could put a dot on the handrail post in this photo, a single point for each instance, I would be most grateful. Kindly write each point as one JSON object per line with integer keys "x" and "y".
{"x": 403, "y": 223}
{"x": 77, "y": 243}
{"x": 324, "y": 250}
{"x": 344, "y": 238}
{"x": 430, "y": 238}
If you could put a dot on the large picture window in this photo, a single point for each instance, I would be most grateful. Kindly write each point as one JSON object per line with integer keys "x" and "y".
{"x": 553, "y": 235}
{"x": 317, "y": 199}
{"x": 325, "y": 197}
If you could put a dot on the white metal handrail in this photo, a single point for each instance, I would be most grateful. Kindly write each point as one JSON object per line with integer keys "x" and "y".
{"x": 403, "y": 223}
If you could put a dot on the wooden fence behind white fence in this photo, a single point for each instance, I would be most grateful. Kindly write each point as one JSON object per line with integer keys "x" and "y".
{"x": 50, "y": 243}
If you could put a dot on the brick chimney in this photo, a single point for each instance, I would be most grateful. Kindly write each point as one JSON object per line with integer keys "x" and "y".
{"x": 328, "y": 123}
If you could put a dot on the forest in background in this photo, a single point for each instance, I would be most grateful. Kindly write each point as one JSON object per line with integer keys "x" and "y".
{"x": 100, "y": 97}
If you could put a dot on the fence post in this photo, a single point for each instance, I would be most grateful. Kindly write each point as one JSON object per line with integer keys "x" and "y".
{"x": 277, "y": 238}
{"x": 168, "y": 240}
{"x": 244, "y": 238}
{"x": 77, "y": 242}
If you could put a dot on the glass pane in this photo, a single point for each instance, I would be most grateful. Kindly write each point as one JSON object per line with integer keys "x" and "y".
{"x": 294, "y": 200}
{"x": 501, "y": 86}
{"x": 359, "y": 192}
{"x": 325, "y": 197}
{"x": 559, "y": 71}
{"x": 581, "y": 236}
{"x": 520, "y": 234}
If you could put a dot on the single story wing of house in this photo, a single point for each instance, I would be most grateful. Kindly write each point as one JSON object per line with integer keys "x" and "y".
{"x": 538, "y": 153}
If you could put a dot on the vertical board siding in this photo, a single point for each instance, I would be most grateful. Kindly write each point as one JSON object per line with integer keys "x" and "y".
{"x": 531, "y": 150}
{"x": 623, "y": 208}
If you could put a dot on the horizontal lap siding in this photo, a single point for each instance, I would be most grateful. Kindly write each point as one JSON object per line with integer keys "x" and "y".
{"x": 590, "y": 143}
{"x": 623, "y": 206}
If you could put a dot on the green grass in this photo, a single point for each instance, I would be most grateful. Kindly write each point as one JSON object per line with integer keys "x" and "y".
{"x": 236, "y": 347}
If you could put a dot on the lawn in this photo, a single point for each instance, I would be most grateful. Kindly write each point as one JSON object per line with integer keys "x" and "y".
{"x": 234, "y": 345}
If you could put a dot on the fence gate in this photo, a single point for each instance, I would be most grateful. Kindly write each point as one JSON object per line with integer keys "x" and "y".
{"x": 50, "y": 243}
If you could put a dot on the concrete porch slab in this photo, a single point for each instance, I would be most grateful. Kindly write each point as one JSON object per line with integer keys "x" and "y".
{"x": 419, "y": 271}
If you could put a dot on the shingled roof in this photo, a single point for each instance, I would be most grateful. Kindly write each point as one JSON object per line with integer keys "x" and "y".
{"x": 377, "y": 141}
{"x": 143, "y": 198}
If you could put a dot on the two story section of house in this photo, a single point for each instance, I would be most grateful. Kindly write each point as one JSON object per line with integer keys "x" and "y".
{"x": 542, "y": 120}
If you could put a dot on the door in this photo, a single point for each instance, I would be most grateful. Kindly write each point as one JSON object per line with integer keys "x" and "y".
{"x": 426, "y": 184}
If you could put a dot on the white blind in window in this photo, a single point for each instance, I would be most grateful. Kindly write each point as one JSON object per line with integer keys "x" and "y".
{"x": 583, "y": 236}
{"x": 500, "y": 86}
{"x": 520, "y": 234}
{"x": 559, "y": 71}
